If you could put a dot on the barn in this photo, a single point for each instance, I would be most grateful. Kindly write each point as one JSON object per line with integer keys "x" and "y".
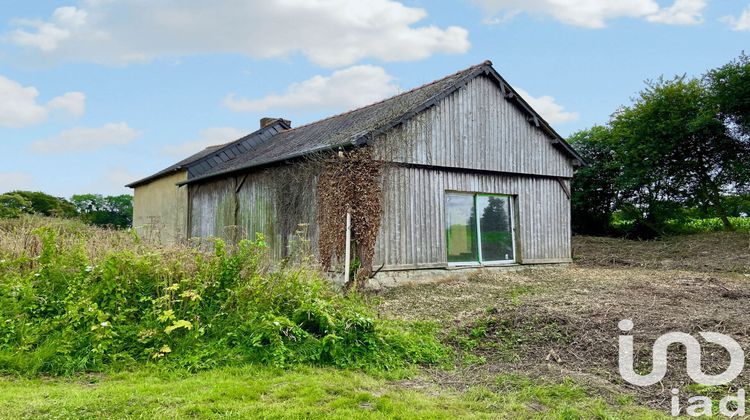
{"x": 457, "y": 173}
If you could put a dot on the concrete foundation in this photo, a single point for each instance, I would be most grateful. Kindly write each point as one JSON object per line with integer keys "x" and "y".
{"x": 395, "y": 278}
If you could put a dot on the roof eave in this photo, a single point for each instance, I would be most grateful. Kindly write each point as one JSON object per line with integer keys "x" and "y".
{"x": 267, "y": 163}
{"x": 154, "y": 177}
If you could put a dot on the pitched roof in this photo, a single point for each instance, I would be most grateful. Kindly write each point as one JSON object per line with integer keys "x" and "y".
{"x": 212, "y": 156}
{"x": 340, "y": 130}
{"x": 361, "y": 125}
{"x": 174, "y": 168}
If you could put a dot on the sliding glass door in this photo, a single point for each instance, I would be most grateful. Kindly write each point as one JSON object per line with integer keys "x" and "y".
{"x": 461, "y": 225}
{"x": 479, "y": 228}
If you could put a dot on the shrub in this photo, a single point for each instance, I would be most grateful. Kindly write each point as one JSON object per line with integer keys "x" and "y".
{"x": 682, "y": 226}
{"x": 65, "y": 307}
{"x": 706, "y": 225}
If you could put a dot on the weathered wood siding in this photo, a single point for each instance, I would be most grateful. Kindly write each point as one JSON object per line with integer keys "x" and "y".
{"x": 212, "y": 208}
{"x": 476, "y": 128}
{"x": 412, "y": 233}
{"x": 272, "y": 202}
{"x": 472, "y": 141}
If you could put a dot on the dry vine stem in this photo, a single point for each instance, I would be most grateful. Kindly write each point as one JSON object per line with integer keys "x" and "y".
{"x": 350, "y": 180}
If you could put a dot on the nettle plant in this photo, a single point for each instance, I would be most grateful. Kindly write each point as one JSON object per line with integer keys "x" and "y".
{"x": 64, "y": 310}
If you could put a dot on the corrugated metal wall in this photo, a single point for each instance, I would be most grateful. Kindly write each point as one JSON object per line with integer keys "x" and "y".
{"x": 412, "y": 233}
{"x": 477, "y": 128}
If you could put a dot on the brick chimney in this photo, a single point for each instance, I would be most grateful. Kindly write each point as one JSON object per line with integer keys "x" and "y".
{"x": 266, "y": 121}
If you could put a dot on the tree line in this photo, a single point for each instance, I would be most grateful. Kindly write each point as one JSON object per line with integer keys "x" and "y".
{"x": 680, "y": 151}
{"x": 112, "y": 211}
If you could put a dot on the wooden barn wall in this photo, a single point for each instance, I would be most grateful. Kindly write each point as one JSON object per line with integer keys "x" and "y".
{"x": 212, "y": 208}
{"x": 272, "y": 202}
{"x": 474, "y": 128}
{"x": 412, "y": 233}
{"x": 477, "y": 128}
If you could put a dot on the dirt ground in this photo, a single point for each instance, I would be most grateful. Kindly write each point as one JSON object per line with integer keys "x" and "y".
{"x": 563, "y": 322}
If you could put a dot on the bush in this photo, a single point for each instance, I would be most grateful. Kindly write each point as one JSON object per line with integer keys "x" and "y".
{"x": 67, "y": 307}
{"x": 707, "y": 225}
{"x": 684, "y": 226}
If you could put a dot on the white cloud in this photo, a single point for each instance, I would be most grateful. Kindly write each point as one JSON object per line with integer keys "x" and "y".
{"x": 343, "y": 89}
{"x": 208, "y": 137}
{"x": 682, "y": 12}
{"x": 86, "y": 139}
{"x": 548, "y": 108}
{"x": 11, "y": 181}
{"x": 331, "y": 33}
{"x": 741, "y": 23}
{"x": 46, "y": 36}
{"x": 596, "y": 13}
{"x": 74, "y": 103}
{"x": 19, "y": 106}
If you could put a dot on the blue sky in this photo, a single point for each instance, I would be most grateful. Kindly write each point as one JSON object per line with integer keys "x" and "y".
{"x": 97, "y": 93}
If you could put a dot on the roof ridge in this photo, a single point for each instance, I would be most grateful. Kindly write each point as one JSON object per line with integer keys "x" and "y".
{"x": 484, "y": 63}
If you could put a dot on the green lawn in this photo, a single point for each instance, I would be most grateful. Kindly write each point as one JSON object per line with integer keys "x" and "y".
{"x": 304, "y": 392}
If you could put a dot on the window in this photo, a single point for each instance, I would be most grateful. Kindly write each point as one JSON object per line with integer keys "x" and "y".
{"x": 486, "y": 241}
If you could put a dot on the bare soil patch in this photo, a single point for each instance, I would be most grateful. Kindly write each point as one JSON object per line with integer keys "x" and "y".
{"x": 563, "y": 322}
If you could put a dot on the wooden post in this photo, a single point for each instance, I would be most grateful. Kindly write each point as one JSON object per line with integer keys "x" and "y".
{"x": 347, "y": 260}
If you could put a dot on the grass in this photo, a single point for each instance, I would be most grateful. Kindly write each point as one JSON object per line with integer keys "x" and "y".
{"x": 258, "y": 392}
{"x": 520, "y": 344}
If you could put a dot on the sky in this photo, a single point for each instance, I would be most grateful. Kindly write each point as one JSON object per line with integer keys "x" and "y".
{"x": 98, "y": 93}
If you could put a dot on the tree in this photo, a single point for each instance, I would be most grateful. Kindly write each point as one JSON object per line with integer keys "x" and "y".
{"x": 681, "y": 149}
{"x": 730, "y": 88}
{"x": 47, "y": 205}
{"x": 105, "y": 211}
{"x": 13, "y": 206}
{"x": 676, "y": 151}
{"x": 122, "y": 208}
{"x": 594, "y": 190}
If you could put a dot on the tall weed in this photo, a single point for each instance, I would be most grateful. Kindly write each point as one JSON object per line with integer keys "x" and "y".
{"x": 65, "y": 308}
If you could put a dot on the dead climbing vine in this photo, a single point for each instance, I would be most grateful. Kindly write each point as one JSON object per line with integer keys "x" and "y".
{"x": 350, "y": 181}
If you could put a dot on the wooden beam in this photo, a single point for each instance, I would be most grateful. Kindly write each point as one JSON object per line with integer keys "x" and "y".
{"x": 565, "y": 188}
{"x": 240, "y": 184}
